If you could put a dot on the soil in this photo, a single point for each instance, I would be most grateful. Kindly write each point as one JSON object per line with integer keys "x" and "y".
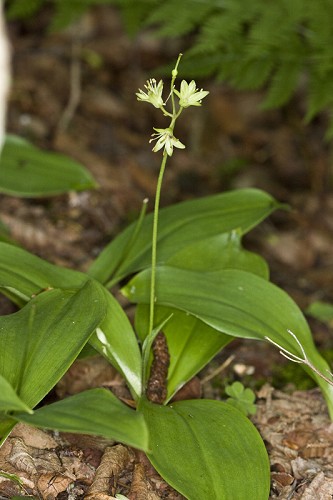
{"x": 74, "y": 92}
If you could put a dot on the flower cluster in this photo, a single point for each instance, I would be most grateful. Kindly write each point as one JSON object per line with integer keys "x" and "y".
{"x": 188, "y": 95}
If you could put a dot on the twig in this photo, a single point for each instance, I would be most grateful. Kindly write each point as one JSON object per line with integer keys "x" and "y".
{"x": 218, "y": 370}
{"x": 75, "y": 88}
{"x": 297, "y": 359}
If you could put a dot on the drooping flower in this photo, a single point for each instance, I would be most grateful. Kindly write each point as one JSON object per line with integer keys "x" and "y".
{"x": 189, "y": 95}
{"x": 153, "y": 94}
{"x": 166, "y": 139}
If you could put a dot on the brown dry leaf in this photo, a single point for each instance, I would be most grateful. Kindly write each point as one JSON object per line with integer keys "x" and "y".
{"x": 321, "y": 488}
{"x": 114, "y": 460}
{"x": 299, "y": 437}
{"x": 50, "y": 485}
{"x": 140, "y": 488}
{"x": 88, "y": 373}
{"x": 33, "y": 436}
{"x": 45, "y": 465}
{"x": 191, "y": 390}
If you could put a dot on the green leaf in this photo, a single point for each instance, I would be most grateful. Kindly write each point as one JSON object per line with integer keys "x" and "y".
{"x": 96, "y": 412}
{"x": 323, "y": 311}
{"x": 9, "y": 400}
{"x": 179, "y": 226}
{"x": 237, "y": 303}
{"x": 185, "y": 333}
{"x": 241, "y": 398}
{"x": 207, "y": 449}
{"x": 223, "y": 251}
{"x": 27, "y": 171}
{"x": 284, "y": 82}
{"x": 40, "y": 342}
{"x": 116, "y": 340}
{"x": 191, "y": 342}
{"x": 23, "y": 274}
{"x": 6, "y": 426}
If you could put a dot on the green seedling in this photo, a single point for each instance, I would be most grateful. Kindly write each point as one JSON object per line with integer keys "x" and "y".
{"x": 241, "y": 398}
{"x": 186, "y": 270}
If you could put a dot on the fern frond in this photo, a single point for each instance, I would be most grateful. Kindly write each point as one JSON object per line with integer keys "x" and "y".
{"x": 174, "y": 18}
{"x": 284, "y": 82}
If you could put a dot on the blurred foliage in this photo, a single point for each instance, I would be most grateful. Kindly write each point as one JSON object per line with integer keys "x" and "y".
{"x": 293, "y": 375}
{"x": 250, "y": 45}
{"x": 322, "y": 311}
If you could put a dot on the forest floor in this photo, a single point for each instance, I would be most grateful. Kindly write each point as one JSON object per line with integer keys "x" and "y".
{"x": 231, "y": 143}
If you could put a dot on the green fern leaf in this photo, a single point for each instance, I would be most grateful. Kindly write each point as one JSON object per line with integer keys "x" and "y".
{"x": 283, "y": 84}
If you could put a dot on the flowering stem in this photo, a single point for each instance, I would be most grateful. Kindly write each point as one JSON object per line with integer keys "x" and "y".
{"x": 154, "y": 241}
{"x": 157, "y": 204}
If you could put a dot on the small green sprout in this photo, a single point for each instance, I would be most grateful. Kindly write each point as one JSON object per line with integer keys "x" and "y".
{"x": 241, "y": 398}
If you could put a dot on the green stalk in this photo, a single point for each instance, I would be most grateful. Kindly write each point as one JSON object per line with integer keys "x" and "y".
{"x": 154, "y": 241}
{"x": 157, "y": 204}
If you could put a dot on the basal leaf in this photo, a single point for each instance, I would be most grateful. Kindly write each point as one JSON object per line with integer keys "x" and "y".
{"x": 222, "y": 251}
{"x": 191, "y": 342}
{"x": 40, "y": 342}
{"x": 179, "y": 226}
{"x": 207, "y": 449}
{"x": 237, "y": 303}
{"x": 22, "y": 274}
{"x": 116, "y": 340}
{"x": 9, "y": 400}
{"x": 97, "y": 412}
{"x": 27, "y": 171}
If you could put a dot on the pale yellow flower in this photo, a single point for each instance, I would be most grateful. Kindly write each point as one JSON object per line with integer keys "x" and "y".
{"x": 166, "y": 139}
{"x": 189, "y": 95}
{"x": 153, "y": 94}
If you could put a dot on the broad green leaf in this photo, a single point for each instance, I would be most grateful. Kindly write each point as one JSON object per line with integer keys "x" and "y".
{"x": 189, "y": 353}
{"x": 40, "y": 342}
{"x": 207, "y": 449}
{"x": 97, "y": 412}
{"x": 9, "y": 400}
{"x": 23, "y": 274}
{"x": 223, "y": 251}
{"x": 179, "y": 226}
{"x": 116, "y": 340}
{"x": 191, "y": 342}
{"x": 237, "y": 303}
{"x": 27, "y": 171}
